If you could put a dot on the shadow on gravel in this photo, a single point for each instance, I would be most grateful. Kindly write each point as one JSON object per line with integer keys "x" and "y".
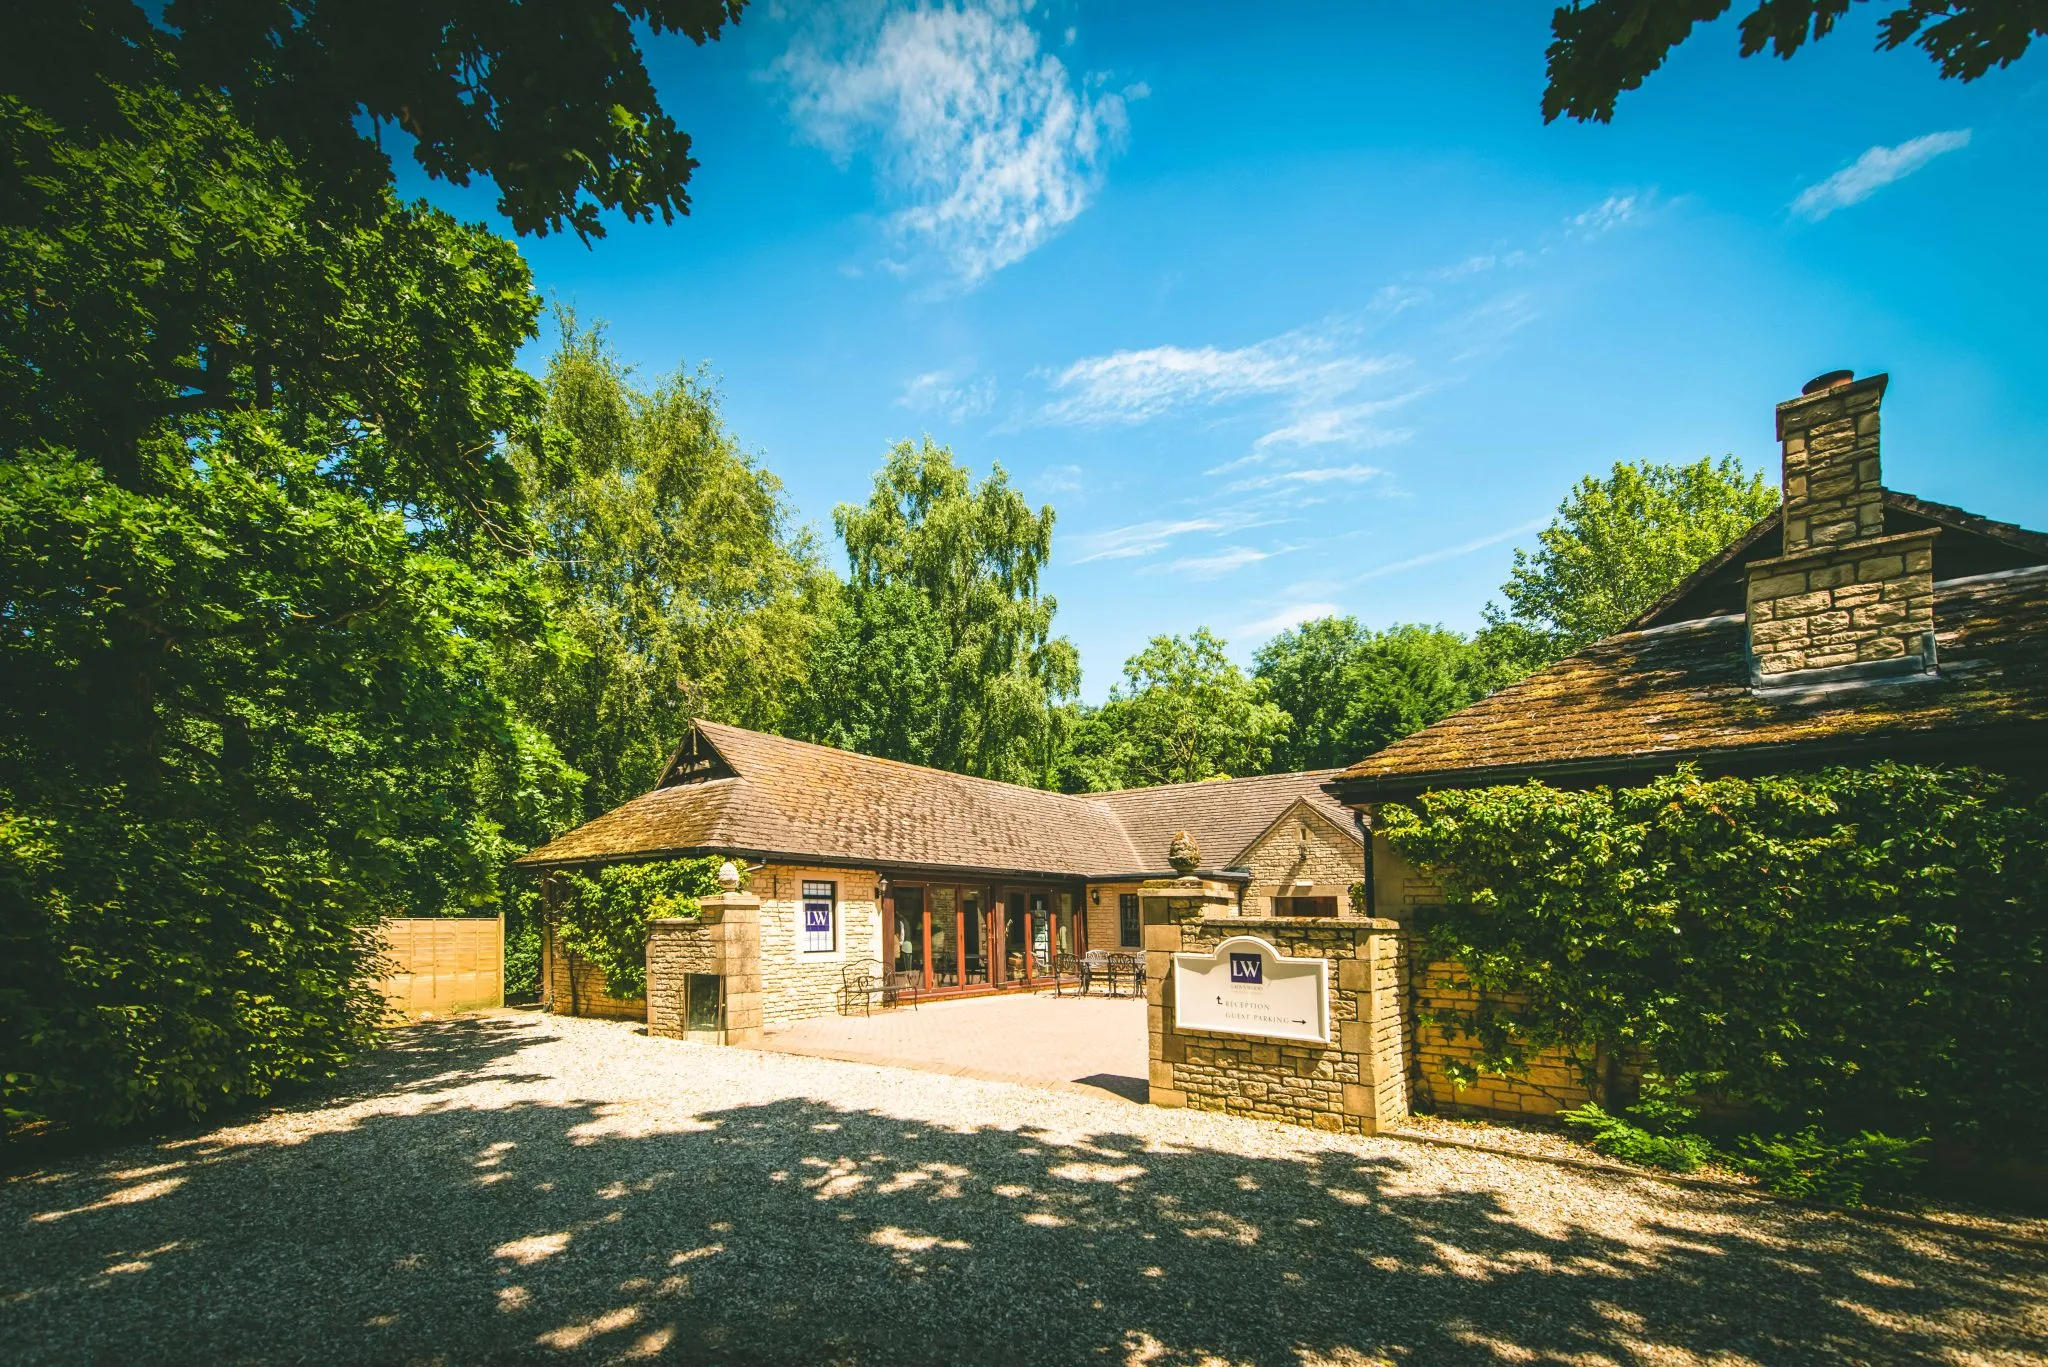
{"x": 801, "y": 1232}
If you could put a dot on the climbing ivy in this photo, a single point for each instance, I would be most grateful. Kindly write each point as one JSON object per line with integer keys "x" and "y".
{"x": 1855, "y": 947}
{"x": 602, "y": 917}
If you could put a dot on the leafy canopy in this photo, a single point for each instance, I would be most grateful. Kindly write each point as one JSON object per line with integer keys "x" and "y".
{"x": 1184, "y": 713}
{"x": 1348, "y": 690}
{"x": 1616, "y": 546}
{"x": 941, "y": 649}
{"x": 1600, "y": 48}
{"x": 674, "y": 583}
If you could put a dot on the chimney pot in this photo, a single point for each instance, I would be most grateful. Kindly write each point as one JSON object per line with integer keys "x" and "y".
{"x": 1834, "y": 379}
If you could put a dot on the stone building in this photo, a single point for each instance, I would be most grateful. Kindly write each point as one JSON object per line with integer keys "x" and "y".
{"x": 946, "y": 883}
{"x": 1854, "y": 624}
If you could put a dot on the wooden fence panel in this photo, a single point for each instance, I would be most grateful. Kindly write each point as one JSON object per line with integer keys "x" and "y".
{"x": 444, "y": 964}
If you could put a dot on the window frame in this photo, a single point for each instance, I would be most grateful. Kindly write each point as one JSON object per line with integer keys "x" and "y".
{"x": 809, "y": 891}
{"x": 1130, "y": 934}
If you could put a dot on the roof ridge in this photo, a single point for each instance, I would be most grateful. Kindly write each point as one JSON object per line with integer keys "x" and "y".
{"x": 882, "y": 759}
{"x": 1214, "y": 782}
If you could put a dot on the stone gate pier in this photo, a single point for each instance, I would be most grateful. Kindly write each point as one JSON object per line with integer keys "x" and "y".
{"x": 704, "y": 975}
{"x": 1255, "y": 977}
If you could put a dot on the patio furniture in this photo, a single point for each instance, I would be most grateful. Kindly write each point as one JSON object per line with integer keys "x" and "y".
{"x": 1129, "y": 967}
{"x": 859, "y": 982}
{"x": 1066, "y": 968}
{"x": 1095, "y": 964}
{"x": 901, "y": 987}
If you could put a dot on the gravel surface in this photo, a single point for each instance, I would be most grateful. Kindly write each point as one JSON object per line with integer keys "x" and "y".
{"x": 512, "y": 1187}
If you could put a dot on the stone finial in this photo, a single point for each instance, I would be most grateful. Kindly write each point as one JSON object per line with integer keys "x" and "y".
{"x": 729, "y": 876}
{"x": 1184, "y": 854}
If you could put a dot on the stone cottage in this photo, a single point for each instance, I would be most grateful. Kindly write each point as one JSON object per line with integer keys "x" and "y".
{"x": 1854, "y": 624}
{"x": 951, "y": 884}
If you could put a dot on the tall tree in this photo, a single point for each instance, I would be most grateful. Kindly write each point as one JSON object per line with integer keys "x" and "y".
{"x": 1348, "y": 690}
{"x": 1616, "y": 546}
{"x": 1184, "y": 713}
{"x": 943, "y": 651}
{"x": 1600, "y": 48}
{"x": 677, "y": 586}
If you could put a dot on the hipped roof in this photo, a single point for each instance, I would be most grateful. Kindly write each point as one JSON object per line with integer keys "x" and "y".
{"x": 767, "y": 796}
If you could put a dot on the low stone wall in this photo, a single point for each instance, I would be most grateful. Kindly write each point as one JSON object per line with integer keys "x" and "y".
{"x": 1442, "y": 996}
{"x": 723, "y": 941}
{"x": 570, "y": 986}
{"x": 1356, "y": 1084}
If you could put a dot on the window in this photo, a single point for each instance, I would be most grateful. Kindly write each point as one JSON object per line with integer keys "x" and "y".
{"x": 1127, "y": 932}
{"x": 1304, "y": 906}
{"x": 821, "y": 918}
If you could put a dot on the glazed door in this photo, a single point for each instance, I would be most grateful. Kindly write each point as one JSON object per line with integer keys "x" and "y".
{"x": 908, "y": 934}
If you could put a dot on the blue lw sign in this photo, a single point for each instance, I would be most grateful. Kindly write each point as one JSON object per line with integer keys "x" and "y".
{"x": 1247, "y": 968}
{"x": 817, "y": 919}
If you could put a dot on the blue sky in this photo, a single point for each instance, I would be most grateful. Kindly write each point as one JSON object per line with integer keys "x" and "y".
{"x": 1294, "y": 317}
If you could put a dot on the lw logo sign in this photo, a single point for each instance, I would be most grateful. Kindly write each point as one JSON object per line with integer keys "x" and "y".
{"x": 817, "y": 919}
{"x": 1247, "y": 987}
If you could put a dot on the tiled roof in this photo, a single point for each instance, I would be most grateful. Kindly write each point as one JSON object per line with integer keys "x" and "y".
{"x": 1647, "y": 699}
{"x": 786, "y": 797}
{"x": 1225, "y": 816}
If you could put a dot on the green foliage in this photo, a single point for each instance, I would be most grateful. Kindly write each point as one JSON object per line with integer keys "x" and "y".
{"x": 1631, "y": 1143}
{"x": 675, "y": 587}
{"x": 1348, "y": 690}
{"x": 1863, "y": 946}
{"x": 556, "y": 106}
{"x": 1616, "y": 546}
{"x": 1655, "y": 1131}
{"x": 940, "y": 650}
{"x": 602, "y": 917}
{"x": 1184, "y": 713}
{"x": 1811, "y": 1166}
{"x": 1603, "y": 47}
{"x": 524, "y": 914}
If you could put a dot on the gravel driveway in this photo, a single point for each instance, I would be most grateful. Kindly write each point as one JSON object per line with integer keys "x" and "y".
{"x": 512, "y": 1187}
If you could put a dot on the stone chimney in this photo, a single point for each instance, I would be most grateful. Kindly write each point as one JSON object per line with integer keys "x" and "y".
{"x": 1845, "y": 600}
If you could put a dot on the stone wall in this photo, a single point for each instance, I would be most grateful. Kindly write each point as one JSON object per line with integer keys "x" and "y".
{"x": 570, "y": 986}
{"x": 724, "y": 940}
{"x": 1355, "y": 1084}
{"x": 1863, "y": 603}
{"x": 1439, "y": 994}
{"x": 796, "y": 985}
{"x": 1103, "y": 930}
{"x": 1304, "y": 855}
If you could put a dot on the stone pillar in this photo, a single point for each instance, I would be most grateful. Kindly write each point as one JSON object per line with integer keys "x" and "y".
{"x": 1357, "y": 1083}
{"x": 724, "y": 939}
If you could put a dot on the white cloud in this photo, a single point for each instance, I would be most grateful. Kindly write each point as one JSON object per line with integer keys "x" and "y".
{"x": 956, "y": 394}
{"x": 1141, "y": 538}
{"x": 1874, "y": 170}
{"x": 1222, "y": 562}
{"x": 1288, "y": 618}
{"x": 1058, "y": 479}
{"x": 1309, "y": 478}
{"x": 1610, "y": 213}
{"x": 1340, "y": 425}
{"x": 1450, "y": 552}
{"x": 986, "y": 140}
{"x": 1137, "y": 386}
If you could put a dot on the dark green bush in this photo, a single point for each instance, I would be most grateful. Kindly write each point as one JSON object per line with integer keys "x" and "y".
{"x": 1655, "y": 1131}
{"x": 1860, "y": 947}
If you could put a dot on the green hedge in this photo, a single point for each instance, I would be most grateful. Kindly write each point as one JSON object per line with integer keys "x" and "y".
{"x": 1858, "y": 947}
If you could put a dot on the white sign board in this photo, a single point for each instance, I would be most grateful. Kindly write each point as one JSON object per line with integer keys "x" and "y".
{"x": 1247, "y": 988}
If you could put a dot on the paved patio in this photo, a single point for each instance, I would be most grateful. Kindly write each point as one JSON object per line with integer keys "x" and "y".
{"x": 1092, "y": 1044}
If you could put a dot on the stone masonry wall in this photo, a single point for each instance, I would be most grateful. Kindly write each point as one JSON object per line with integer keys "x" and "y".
{"x": 1870, "y": 600}
{"x": 571, "y": 987}
{"x": 724, "y": 940}
{"x": 1439, "y": 993}
{"x": 1101, "y": 906}
{"x": 1833, "y": 483}
{"x": 1332, "y": 864}
{"x": 796, "y": 985}
{"x": 1356, "y": 1084}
